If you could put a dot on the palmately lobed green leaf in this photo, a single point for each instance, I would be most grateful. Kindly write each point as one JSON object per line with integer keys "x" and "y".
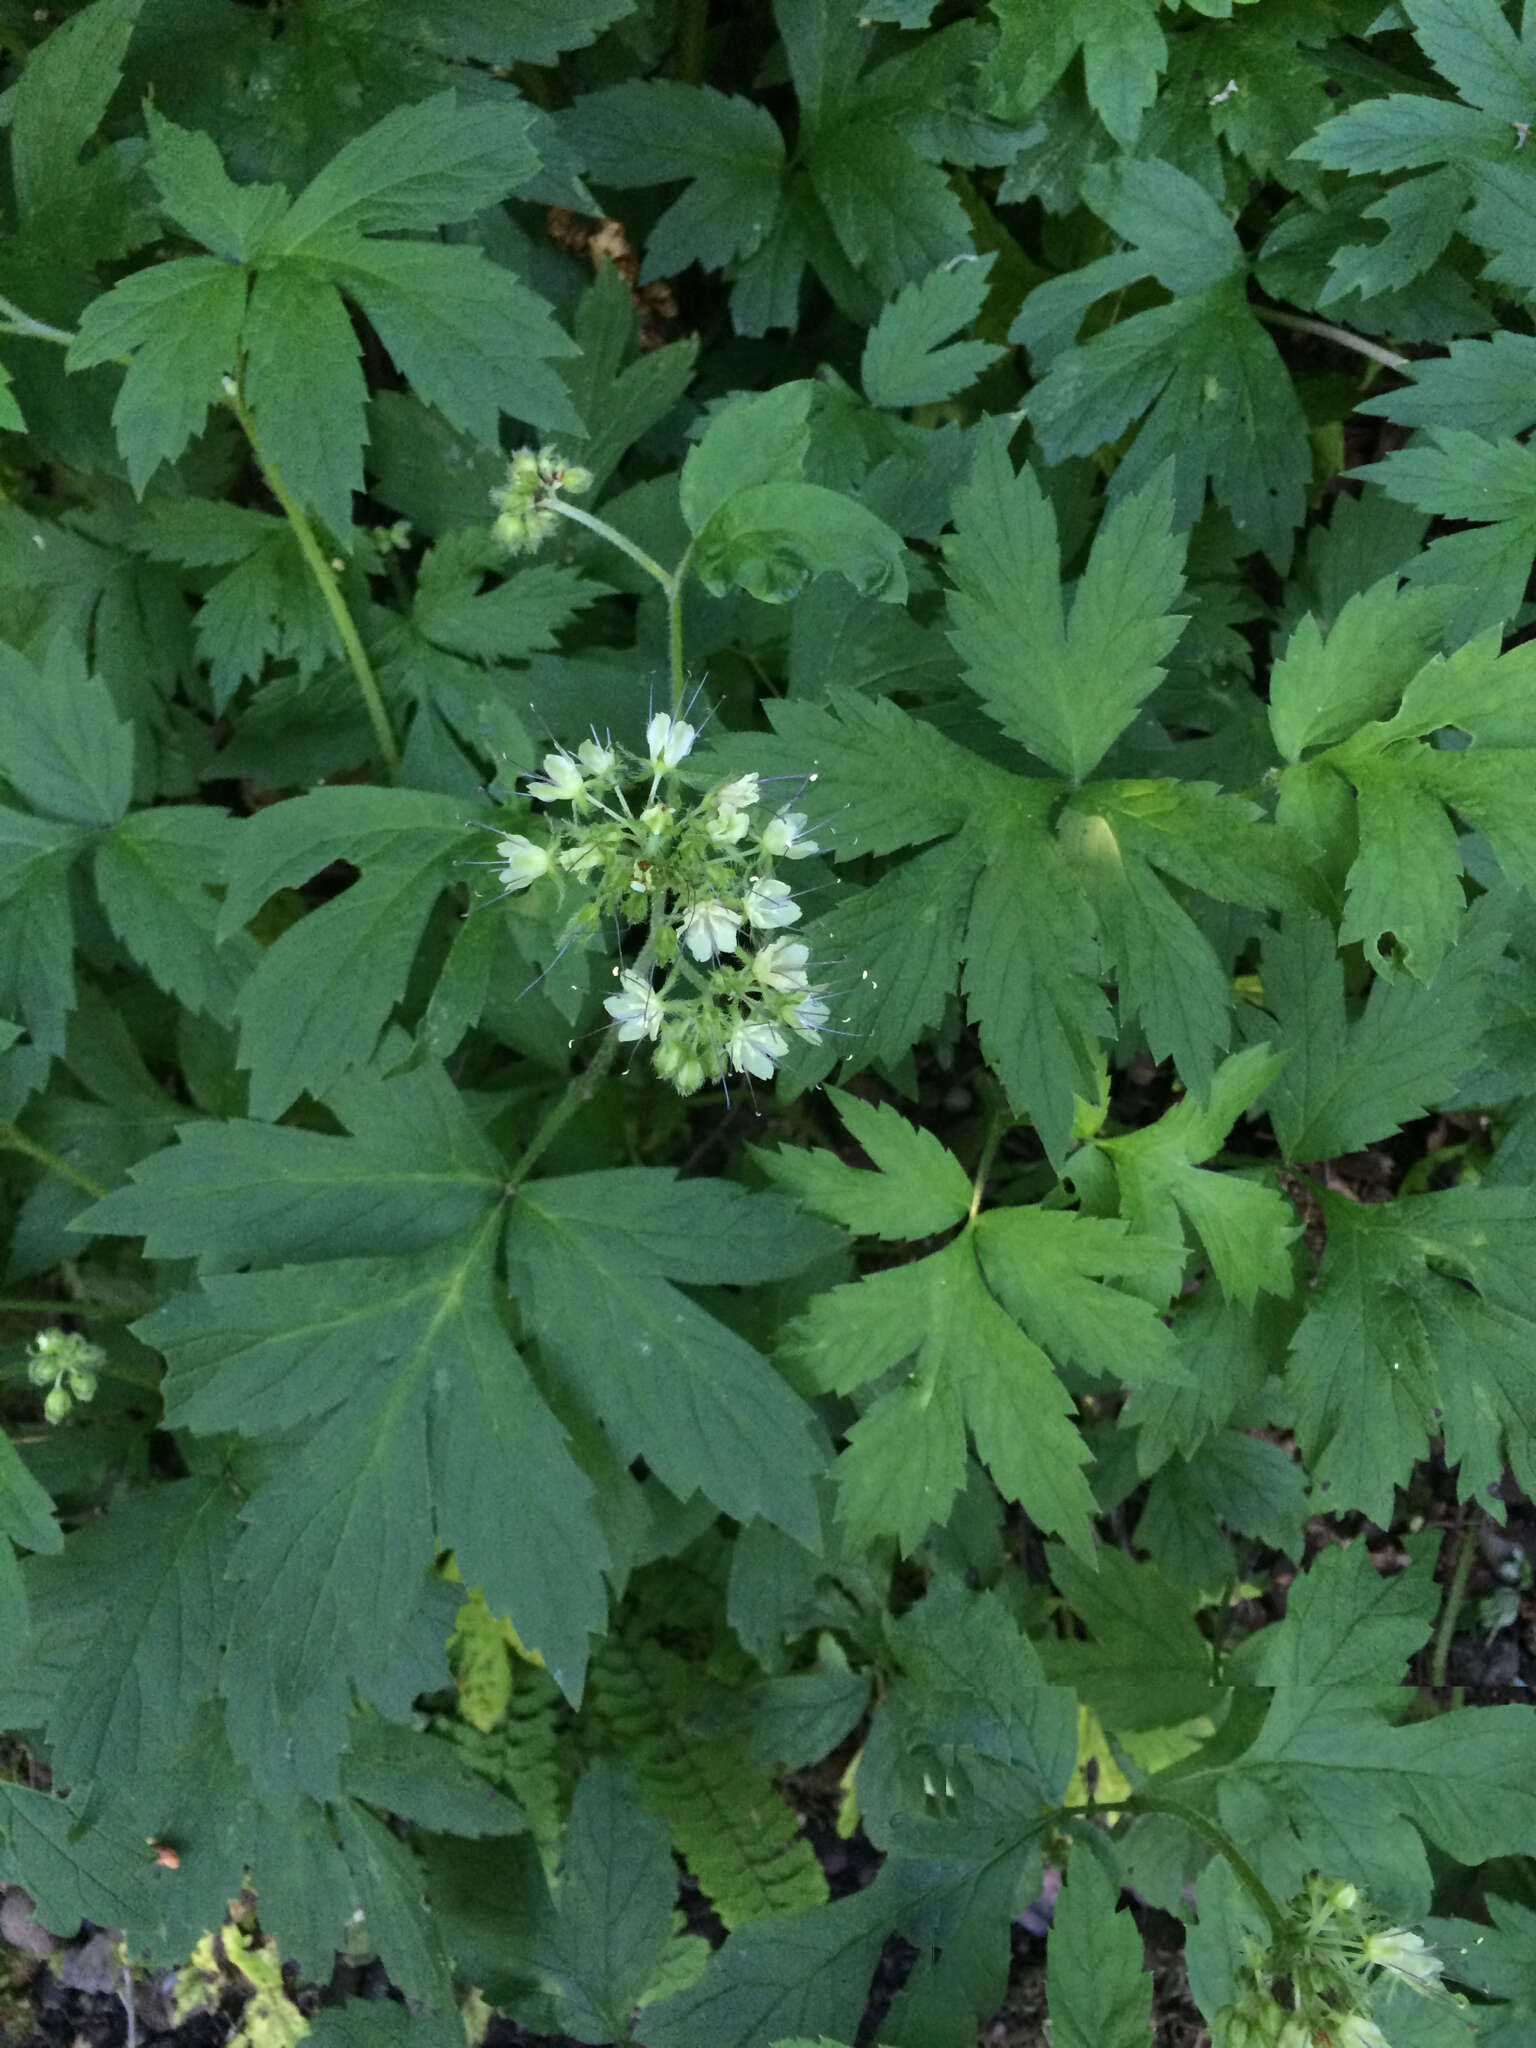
{"x": 918, "y": 1188}
{"x": 1064, "y": 687}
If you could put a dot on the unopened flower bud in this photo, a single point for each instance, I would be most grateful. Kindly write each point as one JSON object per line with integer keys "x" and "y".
{"x": 58, "y": 1404}
{"x": 678, "y": 1063}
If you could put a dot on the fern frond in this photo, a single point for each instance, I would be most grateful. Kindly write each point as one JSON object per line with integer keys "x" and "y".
{"x": 523, "y": 1755}
{"x": 726, "y": 1820}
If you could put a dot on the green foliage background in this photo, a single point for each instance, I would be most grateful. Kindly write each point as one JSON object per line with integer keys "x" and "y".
{"x": 1106, "y": 479}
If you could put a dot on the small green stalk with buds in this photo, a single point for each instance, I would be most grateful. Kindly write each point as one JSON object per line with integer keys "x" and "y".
{"x": 67, "y": 1365}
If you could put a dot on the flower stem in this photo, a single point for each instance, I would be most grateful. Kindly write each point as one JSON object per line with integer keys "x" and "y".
{"x": 1455, "y": 1599}
{"x": 577, "y": 1094}
{"x": 1325, "y": 330}
{"x": 611, "y": 534}
{"x": 14, "y": 1140}
{"x": 675, "y": 633}
{"x": 1222, "y": 1843}
{"x": 39, "y": 1305}
{"x": 999, "y": 1123}
{"x": 335, "y": 603}
{"x": 692, "y": 23}
{"x": 14, "y": 321}
{"x": 671, "y": 581}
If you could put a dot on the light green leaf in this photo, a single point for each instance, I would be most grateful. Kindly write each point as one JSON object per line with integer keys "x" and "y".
{"x": 1348, "y": 1624}
{"x": 470, "y": 338}
{"x": 181, "y": 323}
{"x": 612, "y": 1912}
{"x": 1049, "y": 1268}
{"x": 669, "y": 1383}
{"x": 1100, "y": 1996}
{"x": 904, "y": 362}
{"x": 1322, "y": 688}
{"x": 1246, "y": 1228}
{"x": 759, "y": 439}
{"x": 1351, "y": 1084}
{"x": 421, "y": 165}
{"x": 60, "y": 97}
{"x": 155, "y": 875}
{"x": 420, "y": 1778}
{"x": 262, "y": 1194}
{"x": 918, "y": 1189}
{"x": 199, "y": 195}
{"x": 772, "y": 539}
{"x": 62, "y": 745}
{"x": 1065, "y": 686}
{"x": 304, "y": 385}
{"x": 970, "y": 1367}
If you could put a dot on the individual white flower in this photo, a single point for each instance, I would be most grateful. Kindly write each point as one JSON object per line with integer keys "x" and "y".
{"x": 755, "y": 1046}
{"x": 596, "y": 758}
{"x": 1296, "y": 2033}
{"x": 738, "y": 795}
{"x": 782, "y": 837}
{"x": 769, "y": 905}
{"x": 670, "y": 740}
{"x": 1404, "y": 1953}
{"x": 1356, "y": 2031}
{"x": 728, "y": 826}
{"x": 637, "y": 1009}
{"x": 808, "y": 1018}
{"x": 708, "y": 929}
{"x": 781, "y": 965}
{"x": 522, "y": 862}
{"x": 562, "y": 782}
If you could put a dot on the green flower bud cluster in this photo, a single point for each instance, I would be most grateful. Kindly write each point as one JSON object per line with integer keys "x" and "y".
{"x": 715, "y": 988}
{"x": 526, "y": 518}
{"x": 67, "y": 1366}
{"x": 1333, "y": 1953}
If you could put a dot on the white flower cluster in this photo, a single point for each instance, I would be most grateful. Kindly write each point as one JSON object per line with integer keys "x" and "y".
{"x": 1330, "y": 1957}
{"x": 713, "y": 989}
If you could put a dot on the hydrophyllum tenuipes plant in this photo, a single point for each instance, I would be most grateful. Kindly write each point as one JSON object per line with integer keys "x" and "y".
{"x": 1040, "y": 493}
